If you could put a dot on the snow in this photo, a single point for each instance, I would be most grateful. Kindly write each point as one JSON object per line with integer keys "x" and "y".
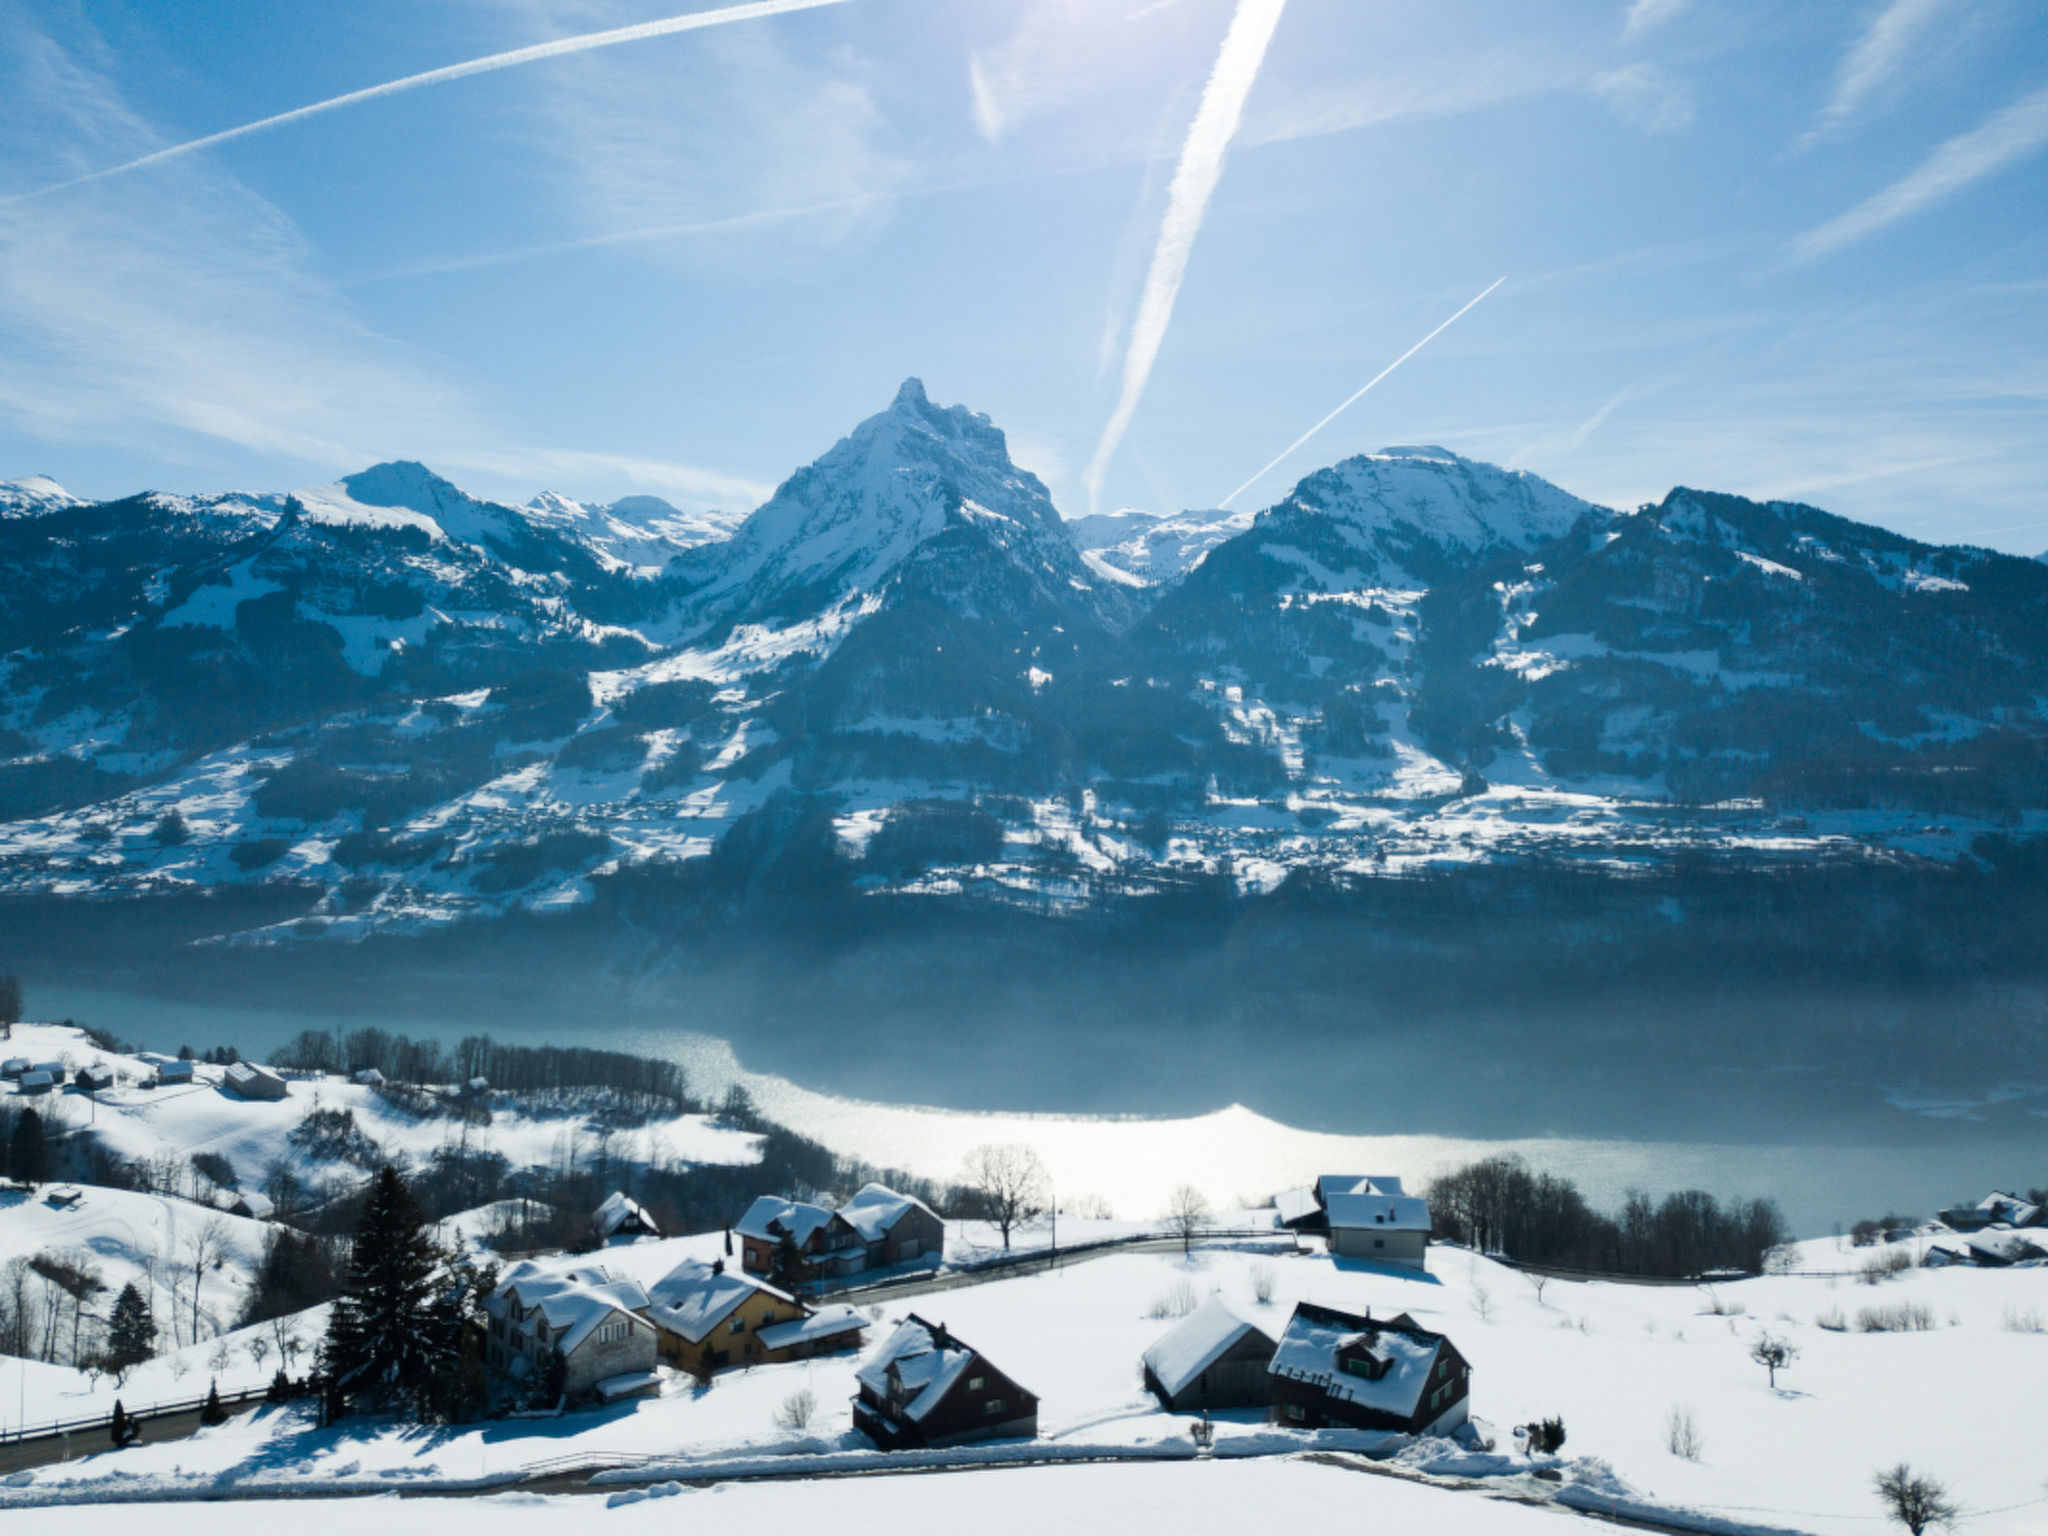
{"x": 1768, "y": 567}
{"x": 770, "y": 1216}
{"x": 694, "y": 1297}
{"x": 875, "y": 1210}
{"x": 213, "y": 605}
{"x": 1308, "y": 1352}
{"x": 915, "y": 1364}
{"x": 1197, "y": 1343}
{"x": 574, "y": 1301}
{"x": 33, "y": 495}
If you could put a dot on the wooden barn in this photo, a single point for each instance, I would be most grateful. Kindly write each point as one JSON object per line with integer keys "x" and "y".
{"x": 1213, "y": 1358}
{"x": 1335, "y": 1368}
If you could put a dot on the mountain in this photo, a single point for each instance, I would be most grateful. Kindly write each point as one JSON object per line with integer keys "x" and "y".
{"x": 32, "y": 495}
{"x": 1151, "y": 548}
{"x": 390, "y": 705}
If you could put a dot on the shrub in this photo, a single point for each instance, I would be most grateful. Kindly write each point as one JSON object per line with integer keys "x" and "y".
{"x": 2029, "y": 1321}
{"x": 1177, "y": 1300}
{"x": 258, "y": 852}
{"x": 1262, "y": 1284}
{"x": 1880, "y": 1267}
{"x": 796, "y": 1410}
{"x": 1832, "y": 1320}
{"x": 1682, "y": 1432}
{"x": 1900, "y": 1317}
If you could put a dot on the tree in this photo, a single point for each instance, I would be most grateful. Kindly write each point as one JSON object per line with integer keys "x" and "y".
{"x": 28, "y": 1150}
{"x": 1546, "y": 1437}
{"x": 171, "y": 830}
{"x": 1915, "y": 1500}
{"x": 203, "y": 1247}
{"x": 214, "y": 1411}
{"x": 1187, "y": 1212}
{"x": 124, "y": 1431}
{"x": 10, "y": 1004}
{"x": 388, "y": 1335}
{"x": 789, "y": 1268}
{"x": 1773, "y": 1354}
{"x": 1009, "y": 1183}
{"x": 131, "y": 1333}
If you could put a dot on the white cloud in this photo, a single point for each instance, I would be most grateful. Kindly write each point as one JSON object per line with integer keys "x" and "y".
{"x": 1187, "y": 201}
{"x": 1963, "y": 161}
{"x": 1646, "y": 98}
{"x": 1061, "y": 49}
{"x": 1883, "y": 46}
{"x": 1645, "y": 16}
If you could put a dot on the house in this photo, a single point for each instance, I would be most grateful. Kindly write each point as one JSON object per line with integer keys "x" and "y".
{"x": 477, "y": 1087}
{"x": 252, "y": 1203}
{"x": 54, "y": 1068}
{"x": 37, "y": 1081}
{"x": 1364, "y": 1216}
{"x": 893, "y": 1228}
{"x": 620, "y": 1218}
{"x": 1996, "y": 1247}
{"x": 14, "y": 1066}
{"x": 1336, "y": 1368}
{"x": 823, "y": 1240}
{"x": 710, "y": 1317}
{"x": 369, "y": 1077}
{"x": 591, "y": 1320}
{"x": 1995, "y": 1209}
{"x": 64, "y": 1196}
{"x": 1212, "y": 1358}
{"x": 250, "y": 1081}
{"x": 173, "y": 1073}
{"x": 925, "y": 1388}
{"x": 95, "y": 1077}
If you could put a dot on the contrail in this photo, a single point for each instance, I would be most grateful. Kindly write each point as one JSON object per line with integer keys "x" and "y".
{"x": 1201, "y": 167}
{"x": 1397, "y": 362}
{"x": 583, "y": 44}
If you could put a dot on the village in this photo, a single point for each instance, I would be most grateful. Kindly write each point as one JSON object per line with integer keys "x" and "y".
{"x": 813, "y": 1336}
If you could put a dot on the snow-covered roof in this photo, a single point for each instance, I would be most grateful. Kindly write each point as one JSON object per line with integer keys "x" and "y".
{"x": 796, "y": 1217}
{"x": 574, "y": 1301}
{"x": 877, "y": 1209}
{"x": 37, "y": 1079}
{"x": 1197, "y": 1342}
{"x": 1314, "y": 1336}
{"x": 627, "y": 1384}
{"x": 1329, "y": 1184}
{"x": 2002, "y": 1245}
{"x": 1377, "y": 1212}
{"x": 174, "y": 1069}
{"x": 695, "y": 1297}
{"x": 370, "y": 1076}
{"x": 825, "y": 1323}
{"x": 2010, "y": 1209}
{"x": 1296, "y": 1204}
{"x": 616, "y": 1211}
{"x": 253, "y": 1202}
{"x": 912, "y": 1367}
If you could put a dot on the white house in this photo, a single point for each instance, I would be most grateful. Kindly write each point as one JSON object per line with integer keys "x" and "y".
{"x": 584, "y": 1315}
{"x": 1364, "y": 1216}
{"x": 621, "y": 1218}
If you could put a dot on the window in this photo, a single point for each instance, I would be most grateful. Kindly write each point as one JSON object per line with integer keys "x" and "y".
{"x": 992, "y": 1407}
{"x": 737, "y": 1325}
{"x": 1296, "y": 1412}
{"x": 976, "y": 1383}
{"x": 1443, "y": 1369}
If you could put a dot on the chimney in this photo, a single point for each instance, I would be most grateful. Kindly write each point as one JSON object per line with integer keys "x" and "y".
{"x": 940, "y": 1338}
{"x": 718, "y": 1266}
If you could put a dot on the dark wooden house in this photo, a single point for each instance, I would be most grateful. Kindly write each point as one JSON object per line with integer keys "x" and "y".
{"x": 925, "y": 1388}
{"x": 1335, "y": 1368}
{"x": 1212, "y": 1358}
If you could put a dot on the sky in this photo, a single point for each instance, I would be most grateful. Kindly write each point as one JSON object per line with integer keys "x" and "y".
{"x": 1783, "y": 251}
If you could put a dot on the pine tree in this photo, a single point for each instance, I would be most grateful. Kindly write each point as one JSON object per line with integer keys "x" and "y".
{"x": 118, "y": 1430}
{"x": 28, "y": 1152}
{"x": 215, "y": 1412}
{"x": 131, "y": 1333}
{"x": 388, "y": 1336}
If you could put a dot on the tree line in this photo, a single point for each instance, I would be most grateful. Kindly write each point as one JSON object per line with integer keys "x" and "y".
{"x": 643, "y": 1081}
{"x": 1502, "y": 1206}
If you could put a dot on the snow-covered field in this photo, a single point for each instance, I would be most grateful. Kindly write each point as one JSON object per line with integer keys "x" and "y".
{"x": 1959, "y": 1399}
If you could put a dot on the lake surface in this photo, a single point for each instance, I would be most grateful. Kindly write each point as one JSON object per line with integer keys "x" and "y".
{"x": 1907, "y": 1159}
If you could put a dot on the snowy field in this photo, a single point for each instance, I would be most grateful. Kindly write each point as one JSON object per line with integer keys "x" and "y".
{"x": 1959, "y": 1398}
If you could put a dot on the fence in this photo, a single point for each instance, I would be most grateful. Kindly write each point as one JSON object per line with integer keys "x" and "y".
{"x": 56, "y": 1428}
{"x": 1035, "y": 1259}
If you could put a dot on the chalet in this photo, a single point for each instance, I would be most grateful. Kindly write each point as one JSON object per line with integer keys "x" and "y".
{"x": 1996, "y": 1247}
{"x": 1995, "y": 1209}
{"x": 477, "y": 1087}
{"x": 1363, "y": 1216}
{"x": 594, "y": 1322}
{"x": 1213, "y": 1358}
{"x": 925, "y": 1388}
{"x": 620, "y": 1219}
{"x": 709, "y": 1318}
{"x": 370, "y": 1077}
{"x": 893, "y": 1228}
{"x": 37, "y": 1081}
{"x": 824, "y": 1241}
{"x": 56, "y": 1070}
{"x": 14, "y": 1066}
{"x": 174, "y": 1073}
{"x": 95, "y": 1077}
{"x": 1334, "y": 1368}
{"x": 252, "y": 1203}
{"x": 249, "y": 1081}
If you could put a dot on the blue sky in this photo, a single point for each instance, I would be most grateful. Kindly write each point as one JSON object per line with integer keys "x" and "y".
{"x": 1778, "y": 250}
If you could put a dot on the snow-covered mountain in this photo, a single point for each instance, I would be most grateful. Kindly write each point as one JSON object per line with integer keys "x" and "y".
{"x": 393, "y": 704}
{"x": 1151, "y": 548}
{"x": 33, "y": 494}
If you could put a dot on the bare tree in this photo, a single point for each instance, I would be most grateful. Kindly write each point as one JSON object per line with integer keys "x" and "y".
{"x": 1915, "y": 1500}
{"x": 1682, "y": 1436}
{"x": 1482, "y": 1302}
{"x": 203, "y": 1245}
{"x": 1536, "y": 1282}
{"x": 1010, "y": 1183}
{"x": 1187, "y": 1212}
{"x": 259, "y": 1350}
{"x": 796, "y": 1410}
{"x": 10, "y": 1005}
{"x": 1773, "y": 1353}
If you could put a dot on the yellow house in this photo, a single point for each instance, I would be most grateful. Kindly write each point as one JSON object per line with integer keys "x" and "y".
{"x": 708, "y": 1319}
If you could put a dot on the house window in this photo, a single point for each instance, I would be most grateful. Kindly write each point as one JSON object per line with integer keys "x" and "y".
{"x": 738, "y": 1325}
{"x": 976, "y": 1383}
{"x": 1379, "y": 1242}
{"x": 1296, "y": 1412}
{"x": 992, "y": 1407}
{"x": 1443, "y": 1369}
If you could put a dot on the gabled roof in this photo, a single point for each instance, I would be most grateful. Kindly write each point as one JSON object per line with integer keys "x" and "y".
{"x": 914, "y": 1369}
{"x": 826, "y": 1323}
{"x": 1329, "y": 1184}
{"x": 574, "y": 1300}
{"x": 1314, "y": 1336}
{"x": 695, "y": 1297}
{"x": 797, "y": 1217}
{"x": 1379, "y": 1212}
{"x": 1197, "y": 1342}
{"x": 616, "y": 1211}
{"x": 1296, "y": 1205}
{"x": 874, "y": 1212}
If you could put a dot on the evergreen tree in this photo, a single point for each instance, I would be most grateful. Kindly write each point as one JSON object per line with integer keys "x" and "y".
{"x": 214, "y": 1411}
{"x": 118, "y": 1430}
{"x": 28, "y": 1151}
{"x": 789, "y": 1268}
{"x": 388, "y": 1337}
{"x": 131, "y": 1333}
